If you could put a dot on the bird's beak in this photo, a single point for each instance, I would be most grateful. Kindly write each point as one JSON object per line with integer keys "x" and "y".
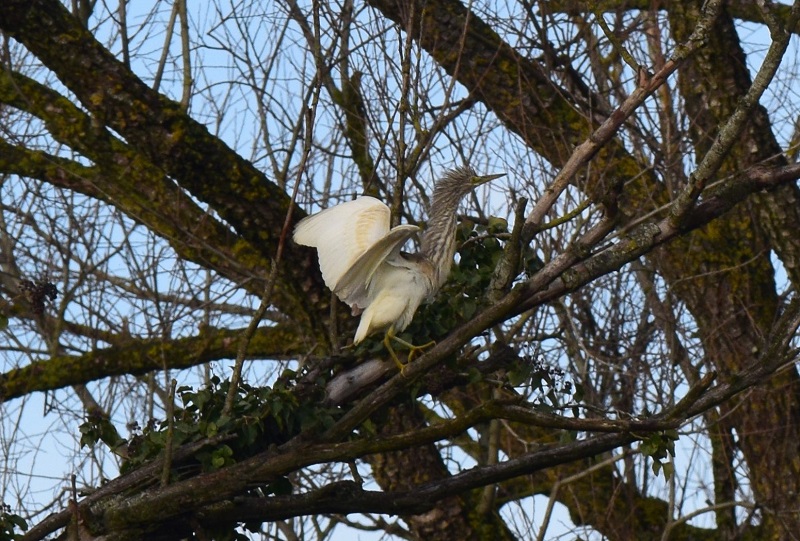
{"x": 477, "y": 181}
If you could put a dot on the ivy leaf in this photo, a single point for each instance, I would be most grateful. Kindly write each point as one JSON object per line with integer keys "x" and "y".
{"x": 497, "y": 225}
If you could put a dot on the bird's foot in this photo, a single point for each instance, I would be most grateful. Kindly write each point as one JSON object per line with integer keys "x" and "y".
{"x": 387, "y": 343}
{"x": 400, "y": 365}
{"x": 412, "y": 350}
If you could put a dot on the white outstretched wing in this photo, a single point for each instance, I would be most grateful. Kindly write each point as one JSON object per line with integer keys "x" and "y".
{"x": 342, "y": 234}
{"x": 353, "y": 286}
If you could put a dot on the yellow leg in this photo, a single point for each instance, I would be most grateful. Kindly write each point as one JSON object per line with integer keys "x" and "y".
{"x": 412, "y": 349}
{"x": 387, "y": 343}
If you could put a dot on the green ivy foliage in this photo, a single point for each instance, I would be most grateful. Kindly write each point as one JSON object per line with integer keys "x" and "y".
{"x": 9, "y": 523}
{"x": 260, "y": 417}
{"x": 661, "y": 448}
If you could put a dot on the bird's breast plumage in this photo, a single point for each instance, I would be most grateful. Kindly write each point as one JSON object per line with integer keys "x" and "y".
{"x": 394, "y": 295}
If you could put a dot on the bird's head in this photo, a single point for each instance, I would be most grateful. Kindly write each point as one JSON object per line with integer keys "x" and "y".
{"x": 460, "y": 181}
{"x": 477, "y": 180}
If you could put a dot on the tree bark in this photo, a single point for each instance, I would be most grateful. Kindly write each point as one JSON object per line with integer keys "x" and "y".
{"x": 734, "y": 301}
{"x": 453, "y": 518}
{"x": 157, "y": 129}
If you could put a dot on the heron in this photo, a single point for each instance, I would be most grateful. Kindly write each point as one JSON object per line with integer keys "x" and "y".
{"x": 362, "y": 263}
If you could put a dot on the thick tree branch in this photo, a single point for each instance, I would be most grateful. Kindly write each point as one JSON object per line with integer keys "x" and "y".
{"x": 147, "y": 198}
{"x": 643, "y": 238}
{"x": 520, "y": 92}
{"x": 566, "y": 273}
{"x": 158, "y": 129}
{"x": 295, "y": 455}
{"x": 162, "y": 503}
{"x": 746, "y": 10}
{"x": 143, "y": 356}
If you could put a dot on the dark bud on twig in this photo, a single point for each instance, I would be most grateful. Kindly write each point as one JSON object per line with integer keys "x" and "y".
{"x": 37, "y": 293}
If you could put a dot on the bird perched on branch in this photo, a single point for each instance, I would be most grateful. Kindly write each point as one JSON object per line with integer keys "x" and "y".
{"x": 361, "y": 261}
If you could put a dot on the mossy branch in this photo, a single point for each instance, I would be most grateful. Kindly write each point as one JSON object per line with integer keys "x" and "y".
{"x": 140, "y": 357}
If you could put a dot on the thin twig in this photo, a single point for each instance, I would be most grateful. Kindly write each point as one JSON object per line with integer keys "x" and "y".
{"x": 697, "y": 512}
{"x": 165, "y": 51}
{"x": 183, "y": 19}
{"x": 122, "y": 12}
{"x": 310, "y": 115}
{"x": 165, "y": 470}
{"x": 557, "y": 485}
{"x": 733, "y": 127}
{"x": 244, "y": 343}
{"x": 647, "y": 84}
{"x": 620, "y": 49}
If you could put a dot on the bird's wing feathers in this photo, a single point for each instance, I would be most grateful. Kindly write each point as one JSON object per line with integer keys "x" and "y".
{"x": 353, "y": 286}
{"x": 342, "y": 234}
